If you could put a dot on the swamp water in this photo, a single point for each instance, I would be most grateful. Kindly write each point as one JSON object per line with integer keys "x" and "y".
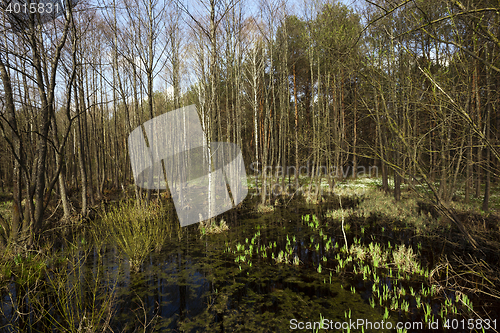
{"x": 270, "y": 272}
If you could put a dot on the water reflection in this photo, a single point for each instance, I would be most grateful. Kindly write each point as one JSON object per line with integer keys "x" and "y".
{"x": 193, "y": 284}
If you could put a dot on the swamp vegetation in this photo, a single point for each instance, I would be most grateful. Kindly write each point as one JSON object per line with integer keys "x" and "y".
{"x": 135, "y": 269}
{"x": 370, "y": 134}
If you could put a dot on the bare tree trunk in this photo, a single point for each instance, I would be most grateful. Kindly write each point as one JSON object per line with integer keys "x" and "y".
{"x": 487, "y": 168}
{"x": 88, "y": 150}
{"x": 16, "y": 143}
{"x": 479, "y": 123}
{"x": 80, "y": 107}
{"x": 468, "y": 175}
{"x": 469, "y": 171}
{"x": 61, "y": 178}
{"x": 255, "y": 87}
{"x": 355, "y": 132}
{"x": 45, "y": 115}
{"x": 296, "y": 102}
{"x": 385, "y": 183}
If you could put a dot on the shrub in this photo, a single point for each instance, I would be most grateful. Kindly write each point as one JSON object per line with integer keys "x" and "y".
{"x": 136, "y": 229}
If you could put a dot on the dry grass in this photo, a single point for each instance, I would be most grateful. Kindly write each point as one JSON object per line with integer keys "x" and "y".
{"x": 406, "y": 260}
{"x": 211, "y": 227}
{"x": 358, "y": 252}
{"x": 6, "y": 210}
{"x": 337, "y": 214}
{"x": 261, "y": 208}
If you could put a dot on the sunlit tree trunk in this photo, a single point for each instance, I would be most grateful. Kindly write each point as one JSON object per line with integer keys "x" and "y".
{"x": 80, "y": 108}
{"x": 296, "y": 128}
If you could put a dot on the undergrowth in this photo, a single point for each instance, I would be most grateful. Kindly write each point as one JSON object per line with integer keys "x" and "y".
{"x": 136, "y": 230}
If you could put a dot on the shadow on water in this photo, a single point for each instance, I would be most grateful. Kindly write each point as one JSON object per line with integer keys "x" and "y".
{"x": 263, "y": 273}
{"x": 194, "y": 284}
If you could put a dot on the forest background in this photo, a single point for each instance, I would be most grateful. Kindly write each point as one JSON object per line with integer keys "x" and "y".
{"x": 408, "y": 87}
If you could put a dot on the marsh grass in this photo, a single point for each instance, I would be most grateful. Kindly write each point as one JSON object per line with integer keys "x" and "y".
{"x": 262, "y": 208}
{"x": 380, "y": 204}
{"x": 5, "y": 271}
{"x": 80, "y": 301}
{"x": 388, "y": 267}
{"x": 405, "y": 259}
{"x": 375, "y": 203}
{"x": 358, "y": 252}
{"x": 25, "y": 267}
{"x": 377, "y": 254}
{"x": 336, "y": 214}
{"x": 56, "y": 293}
{"x": 312, "y": 196}
{"x": 136, "y": 230}
{"x": 25, "y": 270}
{"x": 211, "y": 227}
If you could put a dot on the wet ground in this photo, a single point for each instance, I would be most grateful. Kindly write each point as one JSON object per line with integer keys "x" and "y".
{"x": 272, "y": 272}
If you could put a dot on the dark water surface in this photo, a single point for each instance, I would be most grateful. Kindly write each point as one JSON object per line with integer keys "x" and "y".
{"x": 194, "y": 283}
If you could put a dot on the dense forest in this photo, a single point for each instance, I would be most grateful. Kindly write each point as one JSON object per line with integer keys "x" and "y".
{"x": 409, "y": 87}
{"x": 401, "y": 91}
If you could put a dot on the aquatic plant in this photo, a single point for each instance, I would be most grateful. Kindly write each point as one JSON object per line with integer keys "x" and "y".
{"x": 379, "y": 257}
{"x": 386, "y": 314}
{"x": 28, "y": 267}
{"x": 321, "y": 326}
{"x": 405, "y": 306}
{"x": 67, "y": 297}
{"x": 282, "y": 257}
{"x": 81, "y": 303}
